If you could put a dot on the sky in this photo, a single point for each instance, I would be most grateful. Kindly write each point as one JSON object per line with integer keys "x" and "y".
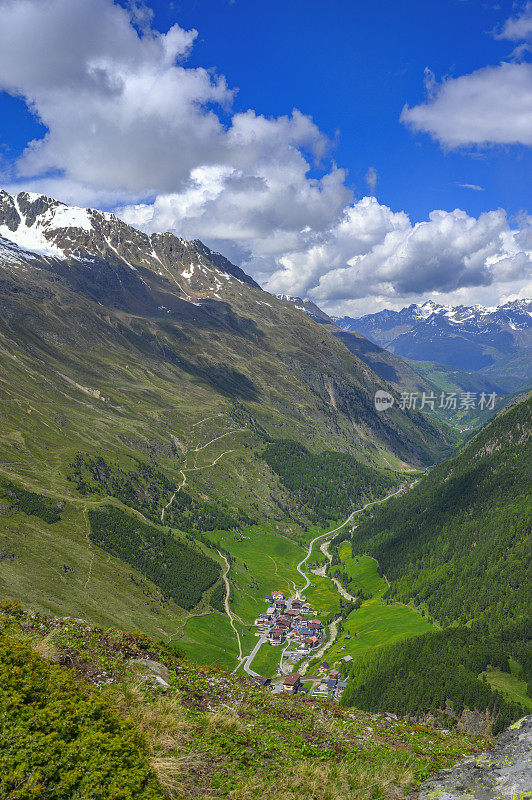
{"x": 364, "y": 155}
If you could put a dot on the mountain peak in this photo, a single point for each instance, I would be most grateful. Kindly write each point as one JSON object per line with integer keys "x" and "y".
{"x": 41, "y": 227}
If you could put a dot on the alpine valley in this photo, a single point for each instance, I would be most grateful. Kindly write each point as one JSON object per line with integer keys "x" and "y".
{"x": 203, "y": 513}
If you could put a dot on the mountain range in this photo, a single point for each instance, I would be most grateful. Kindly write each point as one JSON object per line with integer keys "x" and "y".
{"x": 409, "y": 375}
{"x": 175, "y": 445}
{"x": 496, "y": 341}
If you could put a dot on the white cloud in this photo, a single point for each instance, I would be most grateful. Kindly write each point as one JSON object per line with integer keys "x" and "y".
{"x": 518, "y": 28}
{"x": 473, "y": 186}
{"x": 129, "y": 125}
{"x": 371, "y": 179}
{"x": 376, "y": 253}
{"x": 492, "y": 105}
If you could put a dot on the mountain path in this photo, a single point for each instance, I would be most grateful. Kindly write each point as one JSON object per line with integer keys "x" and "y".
{"x": 226, "y": 604}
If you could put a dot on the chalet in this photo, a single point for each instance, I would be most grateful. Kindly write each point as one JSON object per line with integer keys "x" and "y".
{"x": 306, "y": 632}
{"x": 324, "y": 666}
{"x": 292, "y": 682}
{"x": 277, "y": 635}
{"x": 292, "y": 612}
{"x": 261, "y": 681}
{"x": 277, "y": 595}
{"x": 279, "y": 605}
{"x": 297, "y": 604}
{"x": 315, "y": 625}
{"x": 311, "y": 641}
{"x": 334, "y": 674}
{"x": 331, "y": 684}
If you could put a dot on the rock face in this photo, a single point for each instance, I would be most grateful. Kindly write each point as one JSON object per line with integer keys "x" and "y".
{"x": 505, "y": 772}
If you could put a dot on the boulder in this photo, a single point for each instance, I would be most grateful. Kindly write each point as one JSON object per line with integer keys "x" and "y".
{"x": 504, "y": 772}
{"x": 152, "y": 672}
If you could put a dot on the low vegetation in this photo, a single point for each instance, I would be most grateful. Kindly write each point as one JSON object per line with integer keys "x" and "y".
{"x": 60, "y": 740}
{"x": 210, "y": 734}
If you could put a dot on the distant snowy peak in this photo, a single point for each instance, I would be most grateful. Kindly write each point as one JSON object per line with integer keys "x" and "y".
{"x": 49, "y": 229}
{"x": 516, "y": 314}
{"x": 465, "y": 337}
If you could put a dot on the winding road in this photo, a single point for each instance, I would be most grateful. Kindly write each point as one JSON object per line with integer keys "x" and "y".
{"x": 245, "y": 661}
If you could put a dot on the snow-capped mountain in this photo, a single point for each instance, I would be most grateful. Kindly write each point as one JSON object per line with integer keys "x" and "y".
{"x": 496, "y": 340}
{"x": 69, "y": 240}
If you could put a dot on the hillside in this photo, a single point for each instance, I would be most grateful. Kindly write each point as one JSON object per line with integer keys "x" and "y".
{"x": 146, "y": 375}
{"x": 458, "y": 548}
{"x": 459, "y": 541}
{"x": 117, "y": 710}
{"x": 408, "y": 375}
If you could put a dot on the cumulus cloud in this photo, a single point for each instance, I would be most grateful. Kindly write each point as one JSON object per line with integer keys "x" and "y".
{"x": 129, "y": 125}
{"x": 492, "y": 105}
{"x": 377, "y": 253}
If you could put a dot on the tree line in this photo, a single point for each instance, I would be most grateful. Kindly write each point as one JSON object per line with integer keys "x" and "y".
{"x": 328, "y": 484}
{"x": 180, "y": 572}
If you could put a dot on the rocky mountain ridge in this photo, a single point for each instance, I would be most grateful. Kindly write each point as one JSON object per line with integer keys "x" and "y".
{"x": 44, "y": 228}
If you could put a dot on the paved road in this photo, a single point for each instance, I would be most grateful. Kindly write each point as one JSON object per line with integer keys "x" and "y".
{"x": 246, "y": 660}
{"x": 335, "y": 530}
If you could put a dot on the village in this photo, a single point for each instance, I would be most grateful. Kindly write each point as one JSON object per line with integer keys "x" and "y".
{"x": 287, "y": 621}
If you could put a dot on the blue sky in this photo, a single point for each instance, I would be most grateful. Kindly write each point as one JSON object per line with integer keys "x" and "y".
{"x": 206, "y": 169}
{"x": 353, "y": 66}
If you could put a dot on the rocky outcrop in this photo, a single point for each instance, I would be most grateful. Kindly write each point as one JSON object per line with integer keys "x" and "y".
{"x": 504, "y": 772}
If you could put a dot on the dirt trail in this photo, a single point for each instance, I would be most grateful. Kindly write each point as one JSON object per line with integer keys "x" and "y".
{"x": 169, "y": 503}
{"x": 226, "y": 604}
{"x": 324, "y": 547}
